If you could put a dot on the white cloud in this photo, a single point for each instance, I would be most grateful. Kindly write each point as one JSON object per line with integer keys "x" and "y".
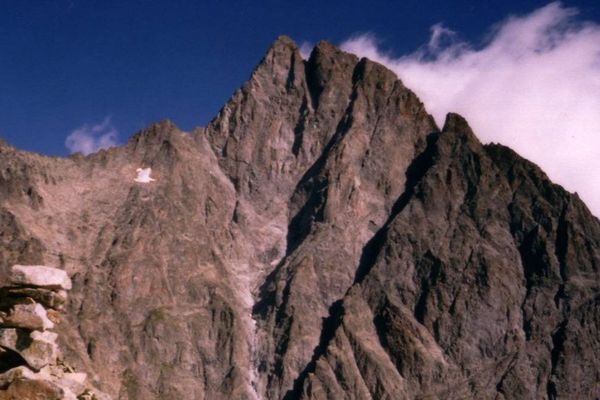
{"x": 91, "y": 138}
{"x": 305, "y": 50}
{"x": 533, "y": 85}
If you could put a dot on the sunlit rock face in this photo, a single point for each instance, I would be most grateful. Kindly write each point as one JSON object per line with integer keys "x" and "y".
{"x": 321, "y": 238}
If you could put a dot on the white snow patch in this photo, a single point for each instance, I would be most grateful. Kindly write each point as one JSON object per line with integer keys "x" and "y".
{"x": 143, "y": 175}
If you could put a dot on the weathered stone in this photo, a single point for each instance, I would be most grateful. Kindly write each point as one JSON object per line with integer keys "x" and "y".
{"x": 38, "y": 349}
{"x": 74, "y": 382}
{"x": 54, "y": 316}
{"x": 14, "y": 374}
{"x": 48, "y": 298}
{"x": 9, "y": 337}
{"x": 33, "y": 390}
{"x": 28, "y": 316}
{"x": 43, "y": 349}
{"x": 40, "y": 276}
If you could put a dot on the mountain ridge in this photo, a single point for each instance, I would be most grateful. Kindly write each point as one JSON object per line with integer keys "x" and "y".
{"x": 320, "y": 238}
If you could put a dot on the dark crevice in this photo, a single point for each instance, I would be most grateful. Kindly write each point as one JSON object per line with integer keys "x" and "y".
{"x": 359, "y": 71}
{"x": 313, "y": 81}
{"x": 10, "y": 359}
{"x": 561, "y": 248}
{"x": 414, "y": 173}
{"x": 285, "y": 324}
{"x": 266, "y": 293}
{"x": 328, "y": 328}
{"x": 300, "y": 127}
{"x": 431, "y": 267}
{"x": 562, "y": 242}
{"x": 289, "y": 83}
{"x": 561, "y": 294}
{"x": 382, "y": 323}
{"x": 533, "y": 258}
{"x": 313, "y": 211}
{"x": 535, "y": 263}
{"x": 559, "y": 338}
{"x": 472, "y": 169}
{"x": 90, "y": 348}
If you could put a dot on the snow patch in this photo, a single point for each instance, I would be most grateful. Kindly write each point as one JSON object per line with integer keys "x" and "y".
{"x": 143, "y": 175}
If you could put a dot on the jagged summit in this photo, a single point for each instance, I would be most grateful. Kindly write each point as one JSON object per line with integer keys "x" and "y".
{"x": 284, "y": 41}
{"x": 321, "y": 238}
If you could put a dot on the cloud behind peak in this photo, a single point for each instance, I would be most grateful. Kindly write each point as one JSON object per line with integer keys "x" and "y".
{"x": 533, "y": 84}
{"x": 90, "y": 138}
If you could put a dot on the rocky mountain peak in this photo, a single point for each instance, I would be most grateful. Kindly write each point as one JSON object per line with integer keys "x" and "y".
{"x": 456, "y": 123}
{"x": 280, "y": 68}
{"x": 321, "y": 238}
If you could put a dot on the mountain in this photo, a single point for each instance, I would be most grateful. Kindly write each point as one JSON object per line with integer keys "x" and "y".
{"x": 321, "y": 238}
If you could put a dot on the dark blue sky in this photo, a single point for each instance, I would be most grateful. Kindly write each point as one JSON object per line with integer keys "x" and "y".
{"x": 66, "y": 63}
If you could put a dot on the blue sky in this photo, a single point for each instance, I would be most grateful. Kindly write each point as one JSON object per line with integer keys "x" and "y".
{"x": 67, "y": 63}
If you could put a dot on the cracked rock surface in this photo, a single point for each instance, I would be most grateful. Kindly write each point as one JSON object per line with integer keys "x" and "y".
{"x": 320, "y": 238}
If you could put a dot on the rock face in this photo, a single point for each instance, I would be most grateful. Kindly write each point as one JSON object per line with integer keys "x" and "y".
{"x": 321, "y": 238}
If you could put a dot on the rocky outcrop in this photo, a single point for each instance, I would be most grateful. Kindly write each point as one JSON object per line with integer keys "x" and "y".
{"x": 460, "y": 295}
{"x": 321, "y": 238}
{"x": 31, "y": 364}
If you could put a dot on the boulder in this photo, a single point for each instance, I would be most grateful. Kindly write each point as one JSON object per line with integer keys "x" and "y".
{"x": 24, "y": 389}
{"x": 38, "y": 349}
{"x": 14, "y": 374}
{"x": 48, "y": 298}
{"x": 28, "y": 316}
{"x": 40, "y": 276}
{"x": 74, "y": 382}
{"x": 71, "y": 384}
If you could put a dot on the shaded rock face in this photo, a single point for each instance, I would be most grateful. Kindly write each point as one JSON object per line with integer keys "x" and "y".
{"x": 321, "y": 238}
